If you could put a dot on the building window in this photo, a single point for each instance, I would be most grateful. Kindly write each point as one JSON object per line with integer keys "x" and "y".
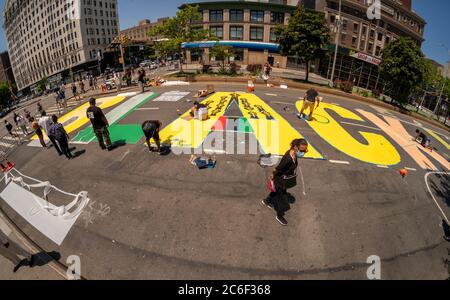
{"x": 354, "y": 40}
{"x": 215, "y": 15}
{"x": 257, "y": 16}
{"x": 273, "y": 36}
{"x": 378, "y": 51}
{"x": 355, "y": 27}
{"x": 380, "y": 37}
{"x": 276, "y": 18}
{"x": 216, "y": 31}
{"x": 236, "y": 32}
{"x": 236, "y": 15}
{"x": 256, "y": 33}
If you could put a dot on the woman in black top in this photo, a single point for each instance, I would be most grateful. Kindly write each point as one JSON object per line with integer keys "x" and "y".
{"x": 286, "y": 169}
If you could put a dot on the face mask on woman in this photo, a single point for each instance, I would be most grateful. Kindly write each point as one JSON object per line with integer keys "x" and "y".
{"x": 300, "y": 154}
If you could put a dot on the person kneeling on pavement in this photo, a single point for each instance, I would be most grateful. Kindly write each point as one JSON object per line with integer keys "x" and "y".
{"x": 100, "y": 125}
{"x": 151, "y": 131}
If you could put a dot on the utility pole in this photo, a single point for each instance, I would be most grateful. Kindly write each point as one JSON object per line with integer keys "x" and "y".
{"x": 123, "y": 56}
{"x": 338, "y": 33}
{"x": 440, "y": 98}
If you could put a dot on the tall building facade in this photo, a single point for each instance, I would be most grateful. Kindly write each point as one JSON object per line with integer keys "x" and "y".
{"x": 140, "y": 33}
{"x": 56, "y": 39}
{"x": 361, "y": 38}
{"x": 247, "y": 26}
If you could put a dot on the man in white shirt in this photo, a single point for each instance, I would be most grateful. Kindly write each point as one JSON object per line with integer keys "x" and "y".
{"x": 46, "y": 122}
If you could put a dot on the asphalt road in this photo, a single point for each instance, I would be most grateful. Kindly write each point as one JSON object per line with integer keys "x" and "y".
{"x": 168, "y": 220}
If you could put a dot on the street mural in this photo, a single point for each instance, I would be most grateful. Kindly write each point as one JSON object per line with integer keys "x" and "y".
{"x": 247, "y": 113}
{"x": 77, "y": 118}
{"x": 377, "y": 149}
{"x": 130, "y": 133}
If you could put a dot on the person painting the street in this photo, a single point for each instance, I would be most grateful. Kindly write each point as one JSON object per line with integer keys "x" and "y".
{"x": 38, "y": 131}
{"x": 100, "y": 125}
{"x": 151, "y": 130}
{"x": 45, "y": 122}
{"x": 310, "y": 100}
{"x": 59, "y": 133}
{"x": 285, "y": 177}
{"x": 195, "y": 108}
{"x": 425, "y": 141}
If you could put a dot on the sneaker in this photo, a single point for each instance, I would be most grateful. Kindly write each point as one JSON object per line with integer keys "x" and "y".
{"x": 103, "y": 147}
{"x": 282, "y": 221}
{"x": 267, "y": 204}
{"x": 446, "y": 238}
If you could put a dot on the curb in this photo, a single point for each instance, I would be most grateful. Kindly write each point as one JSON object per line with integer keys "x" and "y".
{"x": 57, "y": 266}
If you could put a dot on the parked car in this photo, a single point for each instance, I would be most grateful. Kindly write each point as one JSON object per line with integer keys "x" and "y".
{"x": 145, "y": 63}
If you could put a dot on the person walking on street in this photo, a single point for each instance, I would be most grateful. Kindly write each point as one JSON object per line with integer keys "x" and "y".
{"x": 285, "y": 177}
{"x": 27, "y": 115}
{"x": 45, "y": 122}
{"x": 22, "y": 124}
{"x": 82, "y": 91}
{"x": 141, "y": 79}
{"x": 100, "y": 125}
{"x": 9, "y": 128}
{"x": 38, "y": 131}
{"x": 40, "y": 108}
{"x": 57, "y": 130}
{"x": 74, "y": 92}
{"x": 15, "y": 119}
{"x": 62, "y": 94}
{"x": 14, "y": 253}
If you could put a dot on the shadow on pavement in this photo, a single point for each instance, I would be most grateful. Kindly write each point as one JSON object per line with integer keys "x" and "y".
{"x": 117, "y": 144}
{"x": 43, "y": 258}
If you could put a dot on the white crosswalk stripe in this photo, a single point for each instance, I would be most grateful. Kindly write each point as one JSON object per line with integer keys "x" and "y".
{"x": 5, "y": 144}
{"x": 9, "y": 138}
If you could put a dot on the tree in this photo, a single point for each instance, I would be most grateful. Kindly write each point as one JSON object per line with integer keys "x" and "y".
{"x": 222, "y": 53}
{"x": 305, "y": 36}
{"x": 403, "y": 65}
{"x": 5, "y": 95}
{"x": 177, "y": 30}
{"x": 42, "y": 85}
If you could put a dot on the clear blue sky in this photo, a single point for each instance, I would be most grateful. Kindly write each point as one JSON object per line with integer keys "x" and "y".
{"x": 435, "y": 12}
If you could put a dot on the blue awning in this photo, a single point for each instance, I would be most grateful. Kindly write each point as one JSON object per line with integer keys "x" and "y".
{"x": 235, "y": 44}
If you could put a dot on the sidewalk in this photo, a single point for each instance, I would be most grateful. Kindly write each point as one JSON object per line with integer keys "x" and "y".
{"x": 36, "y": 273}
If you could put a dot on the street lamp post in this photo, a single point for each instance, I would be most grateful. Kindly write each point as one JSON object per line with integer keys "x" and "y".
{"x": 338, "y": 31}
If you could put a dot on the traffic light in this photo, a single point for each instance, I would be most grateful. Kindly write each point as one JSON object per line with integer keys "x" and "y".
{"x": 124, "y": 39}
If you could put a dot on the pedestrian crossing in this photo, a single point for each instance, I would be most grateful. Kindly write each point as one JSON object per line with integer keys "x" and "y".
{"x": 56, "y": 110}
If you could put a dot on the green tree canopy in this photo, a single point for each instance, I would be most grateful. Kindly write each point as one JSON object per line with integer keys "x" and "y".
{"x": 221, "y": 53}
{"x": 5, "y": 95}
{"x": 184, "y": 27}
{"x": 305, "y": 36}
{"x": 403, "y": 65}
